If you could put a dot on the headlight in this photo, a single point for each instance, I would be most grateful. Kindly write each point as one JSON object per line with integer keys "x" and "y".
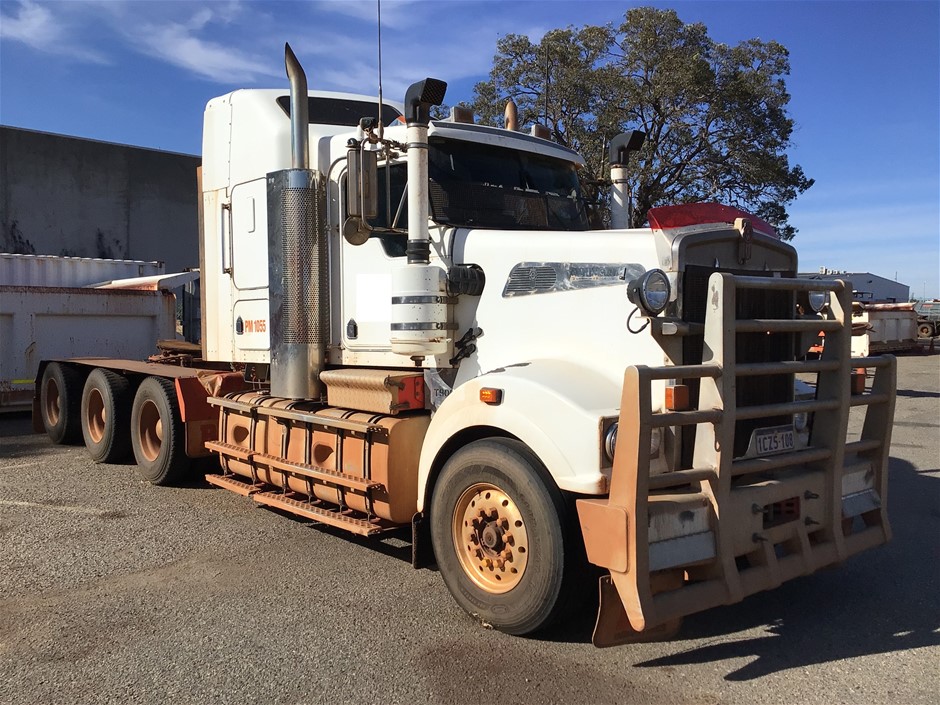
{"x": 650, "y": 292}
{"x": 610, "y": 441}
{"x": 818, "y": 300}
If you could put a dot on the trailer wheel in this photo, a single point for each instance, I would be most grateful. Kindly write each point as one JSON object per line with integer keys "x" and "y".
{"x": 498, "y": 527}
{"x": 106, "y": 406}
{"x": 925, "y": 330}
{"x": 157, "y": 434}
{"x": 60, "y": 401}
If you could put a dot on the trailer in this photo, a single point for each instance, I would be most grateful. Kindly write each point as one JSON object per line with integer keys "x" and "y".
{"x": 410, "y": 322}
{"x": 50, "y": 308}
{"x": 928, "y": 318}
{"x": 883, "y": 327}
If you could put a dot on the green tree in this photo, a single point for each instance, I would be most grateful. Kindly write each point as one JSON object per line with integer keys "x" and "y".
{"x": 715, "y": 115}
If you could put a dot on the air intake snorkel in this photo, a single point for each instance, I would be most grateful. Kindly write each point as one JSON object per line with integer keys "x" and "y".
{"x": 419, "y": 290}
{"x": 621, "y": 206}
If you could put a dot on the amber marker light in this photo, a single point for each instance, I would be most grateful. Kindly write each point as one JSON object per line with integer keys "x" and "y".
{"x": 489, "y": 395}
{"x": 677, "y": 397}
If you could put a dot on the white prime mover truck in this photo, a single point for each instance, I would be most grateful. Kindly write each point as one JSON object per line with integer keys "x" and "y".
{"x": 411, "y": 322}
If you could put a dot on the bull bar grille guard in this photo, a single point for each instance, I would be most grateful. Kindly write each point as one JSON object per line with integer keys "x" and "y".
{"x": 695, "y": 538}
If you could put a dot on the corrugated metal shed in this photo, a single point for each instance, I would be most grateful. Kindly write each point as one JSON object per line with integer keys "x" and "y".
{"x": 51, "y": 271}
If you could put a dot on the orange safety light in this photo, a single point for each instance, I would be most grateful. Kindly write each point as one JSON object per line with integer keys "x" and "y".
{"x": 677, "y": 397}
{"x": 858, "y": 380}
{"x": 490, "y": 395}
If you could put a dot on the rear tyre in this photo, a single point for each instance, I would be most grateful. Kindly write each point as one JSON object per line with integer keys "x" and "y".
{"x": 106, "y": 410}
{"x": 499, "y": 530}
{"x": 60, "y": 400}
{"x": 158, "y": 437}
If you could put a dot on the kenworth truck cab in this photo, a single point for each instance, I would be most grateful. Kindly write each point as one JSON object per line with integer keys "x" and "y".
{"x": 426, "y": 331}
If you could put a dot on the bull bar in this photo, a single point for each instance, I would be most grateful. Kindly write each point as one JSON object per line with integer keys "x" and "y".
{"x": 695, "y": 538}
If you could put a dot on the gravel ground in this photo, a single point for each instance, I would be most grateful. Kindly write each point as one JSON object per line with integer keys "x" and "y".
{"x": 113, "y": 591}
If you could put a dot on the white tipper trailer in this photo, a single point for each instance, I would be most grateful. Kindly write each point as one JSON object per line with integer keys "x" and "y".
{"x": 63, "y": 307}
{"x": 411, "y": 322}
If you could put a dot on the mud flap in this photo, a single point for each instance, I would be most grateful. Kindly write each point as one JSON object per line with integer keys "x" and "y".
{"x": 613, "y": 627}
{"x": 422, "y": 552}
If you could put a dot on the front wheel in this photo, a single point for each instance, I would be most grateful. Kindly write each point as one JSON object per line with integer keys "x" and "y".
{"x": 925, "y": 330}
{"x": 499, "y": 530}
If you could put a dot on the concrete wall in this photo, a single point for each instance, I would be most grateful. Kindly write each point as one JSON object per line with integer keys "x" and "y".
{"x": 81, "y": 198}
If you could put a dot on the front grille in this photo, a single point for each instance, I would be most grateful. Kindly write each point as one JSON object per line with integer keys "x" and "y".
{"x": 750, "y": 347}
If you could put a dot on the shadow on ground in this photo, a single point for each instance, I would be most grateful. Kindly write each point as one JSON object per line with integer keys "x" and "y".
{"x": 882, "y": 601}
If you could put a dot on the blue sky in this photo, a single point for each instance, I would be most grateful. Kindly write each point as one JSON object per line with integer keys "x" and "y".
{"x": 865, "y": 86}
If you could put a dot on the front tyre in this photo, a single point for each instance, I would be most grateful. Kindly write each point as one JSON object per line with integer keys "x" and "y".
{"x": 498, "y": 526}
{"x": 157, "y": 433}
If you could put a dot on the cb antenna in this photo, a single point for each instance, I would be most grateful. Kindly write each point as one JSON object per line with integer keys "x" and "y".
{"x": 379, "y": 13}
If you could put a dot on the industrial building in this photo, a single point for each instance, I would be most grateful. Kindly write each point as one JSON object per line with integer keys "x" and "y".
{"x": 76, "y": 197}
{"x": 866, "y": 286}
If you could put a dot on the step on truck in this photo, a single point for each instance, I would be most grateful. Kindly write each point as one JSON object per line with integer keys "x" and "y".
{"x": 412, "y": 323}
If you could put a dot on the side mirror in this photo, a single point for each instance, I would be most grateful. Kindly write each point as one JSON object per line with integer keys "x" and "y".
{"x": 362, "y": 196}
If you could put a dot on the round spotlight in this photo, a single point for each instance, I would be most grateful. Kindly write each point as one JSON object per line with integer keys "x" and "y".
{"x": 650, "y": 292}
{"x": 800, "y": 422}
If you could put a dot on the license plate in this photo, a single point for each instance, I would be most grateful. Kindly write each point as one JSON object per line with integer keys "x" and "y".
{"x": 767, "y": 441}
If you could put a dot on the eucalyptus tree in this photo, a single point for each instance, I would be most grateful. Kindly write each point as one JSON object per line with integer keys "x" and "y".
{"x": 715, "y": 115}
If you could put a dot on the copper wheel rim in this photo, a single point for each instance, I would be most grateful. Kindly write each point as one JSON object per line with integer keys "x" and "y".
{"x": 490, "y": 538}
{"x": 151, "y": 431}
{"x": 52, "y": 402}
{"x": 96, "y": 417}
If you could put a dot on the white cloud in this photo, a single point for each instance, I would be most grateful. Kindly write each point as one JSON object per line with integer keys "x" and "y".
{"x": 395, "y": 13}
{"x": 37, "y": 27}
{"x": 177, "y": 43}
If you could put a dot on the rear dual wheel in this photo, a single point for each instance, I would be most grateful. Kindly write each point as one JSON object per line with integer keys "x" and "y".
{"x": 60, "y": 399}
{"x": 105, "y": 414}
{"x": 158, "y": 436}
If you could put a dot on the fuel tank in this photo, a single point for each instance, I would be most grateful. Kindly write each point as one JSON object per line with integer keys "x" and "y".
{"x": 357, "y": 460}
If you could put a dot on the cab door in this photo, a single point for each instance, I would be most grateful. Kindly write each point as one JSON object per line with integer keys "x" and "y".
{"x": 367, "y": 270}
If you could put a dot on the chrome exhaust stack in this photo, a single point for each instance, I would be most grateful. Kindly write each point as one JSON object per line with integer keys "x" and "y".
{"x": 299, "y": 111}
{"x": 297, "y": 258}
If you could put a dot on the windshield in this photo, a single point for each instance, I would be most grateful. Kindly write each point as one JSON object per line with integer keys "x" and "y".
{"x": 483, "y": 186}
